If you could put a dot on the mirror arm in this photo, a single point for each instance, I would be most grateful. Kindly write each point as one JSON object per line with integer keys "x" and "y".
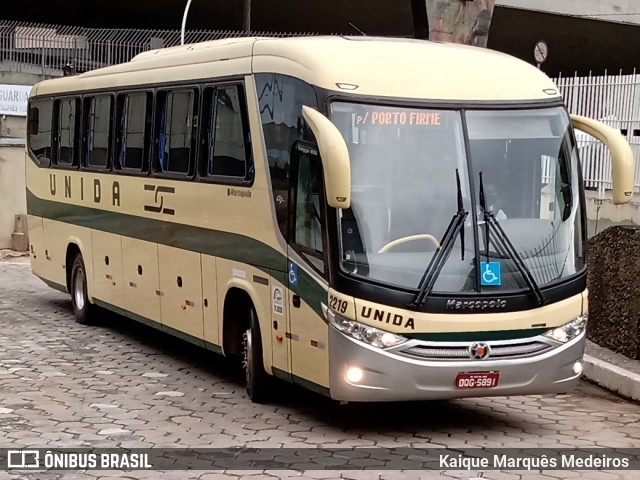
{"x": 623, "y": 163}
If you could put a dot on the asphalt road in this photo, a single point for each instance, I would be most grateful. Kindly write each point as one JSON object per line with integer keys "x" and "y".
{"x": 122, "y": 384}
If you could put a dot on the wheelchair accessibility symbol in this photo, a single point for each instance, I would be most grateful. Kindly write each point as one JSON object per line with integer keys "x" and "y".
{"x": 293, "y": 274}
{"x": 491, "y": 276}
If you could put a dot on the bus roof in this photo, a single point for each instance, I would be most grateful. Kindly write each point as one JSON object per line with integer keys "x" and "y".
{"x": 371, "y": 66}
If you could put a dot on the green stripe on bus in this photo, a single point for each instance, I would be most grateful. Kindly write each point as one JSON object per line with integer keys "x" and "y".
{"x": 159, "y": 326}
{"x": 54, "y": 285}
{"x": 230, "y": 246}
{"x": 216, "y": 243}
{"x": 303, "y": 382}
{"x": 477, "y": 336}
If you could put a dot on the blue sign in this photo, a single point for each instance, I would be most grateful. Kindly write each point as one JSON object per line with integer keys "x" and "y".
{"x": 293, "y": 274}
{"x": 490, "y": 274}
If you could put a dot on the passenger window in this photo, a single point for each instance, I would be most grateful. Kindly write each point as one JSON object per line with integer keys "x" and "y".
{"x": 175, "y": 127}
{"x": 308, "y": 205}
{"x": 229, "y": 156}
{"x": 67, "y": 129}
{"x": 97, "y": 136}
{"x": 40, "y": 116}
{"x": 134, "y": 122}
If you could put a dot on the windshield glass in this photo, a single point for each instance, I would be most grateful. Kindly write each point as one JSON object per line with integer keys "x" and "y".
{"x": 405, "y": 195}
{"x": 531, "y": 184}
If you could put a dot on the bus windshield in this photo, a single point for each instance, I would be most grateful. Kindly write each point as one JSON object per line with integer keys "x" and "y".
{"x": 404, "y": 168}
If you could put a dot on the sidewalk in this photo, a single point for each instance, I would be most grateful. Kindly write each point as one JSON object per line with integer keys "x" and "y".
{"x": 612, "y": 371}
{"x": 4, "y": 253}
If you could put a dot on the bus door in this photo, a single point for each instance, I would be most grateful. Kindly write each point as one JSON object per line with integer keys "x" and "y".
{"x": 307, "y": 266}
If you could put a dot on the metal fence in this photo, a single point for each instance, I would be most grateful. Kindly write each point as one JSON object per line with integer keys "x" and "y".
{"x": 47, "y": 49}
{"x": 614, "y": 100}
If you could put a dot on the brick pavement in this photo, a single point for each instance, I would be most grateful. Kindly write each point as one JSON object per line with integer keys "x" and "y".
{"x": 125, "y": 385}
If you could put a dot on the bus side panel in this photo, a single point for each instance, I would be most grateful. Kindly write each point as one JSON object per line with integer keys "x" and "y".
{"x": 281, "y": 354}
{"x": 212, "y": 324}
{"x": 310, "y": 345}
{"x": 141, "y": 282}
{"x": 107, "y": 268}
{"x": 57, "y": 237}
{"x": 181, "y": 287}
{"x": 36, "y": 245}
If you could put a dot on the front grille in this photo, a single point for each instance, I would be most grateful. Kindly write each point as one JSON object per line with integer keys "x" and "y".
{"x": 505, "y": 351}
{"x": 461, "y": 353}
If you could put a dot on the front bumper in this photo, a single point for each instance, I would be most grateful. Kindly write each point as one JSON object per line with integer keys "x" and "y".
{"x": 393, "y": 377}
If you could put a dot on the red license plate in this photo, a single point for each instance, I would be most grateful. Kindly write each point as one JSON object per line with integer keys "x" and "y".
{"x": 477, "y": 380}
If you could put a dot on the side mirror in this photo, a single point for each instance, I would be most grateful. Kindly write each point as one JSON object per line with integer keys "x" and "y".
{"x": 623, "y": 164}
{"x": 335, "y": 158}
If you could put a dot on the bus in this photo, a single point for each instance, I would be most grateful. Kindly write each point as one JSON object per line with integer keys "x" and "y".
{"x": 373, "y": 219}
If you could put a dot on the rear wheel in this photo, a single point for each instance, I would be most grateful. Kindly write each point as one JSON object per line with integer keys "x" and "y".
{"x": 257, "y": 379}
{"x": 83, "y": 309}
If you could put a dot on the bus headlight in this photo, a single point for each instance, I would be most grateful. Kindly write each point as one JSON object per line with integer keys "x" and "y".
{"x": 568, "y": 331}
{"x": 369, "y": 335}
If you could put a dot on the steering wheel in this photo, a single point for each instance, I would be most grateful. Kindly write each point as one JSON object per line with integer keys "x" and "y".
{"x": 411, "y": 238}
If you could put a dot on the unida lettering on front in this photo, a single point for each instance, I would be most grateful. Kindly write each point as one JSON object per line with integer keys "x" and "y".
{"x": 476, "y": 305}
{"x": 387, "y": 317}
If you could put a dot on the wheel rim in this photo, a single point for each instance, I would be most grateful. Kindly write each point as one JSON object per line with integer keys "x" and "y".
{"x": 248, "y": 357}
{"x": 78, "y": 289}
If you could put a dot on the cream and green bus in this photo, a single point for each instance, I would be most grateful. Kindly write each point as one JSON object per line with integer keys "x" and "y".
{"x": 373, "y": 219}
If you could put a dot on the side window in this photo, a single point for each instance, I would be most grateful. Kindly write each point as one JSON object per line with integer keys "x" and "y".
{"x": 39, "y": 125}
{"x": 67, "y": 130}
{"x": 308, "y": 205}
{"x": 134, "y": 122}
{"x": 97, "y": 136}
{"x": 175, "y": 124}
{"x": 228, "y": 156}
{"x": 281, "y": 99}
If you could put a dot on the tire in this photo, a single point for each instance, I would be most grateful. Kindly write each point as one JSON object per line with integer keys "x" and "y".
{"x": 83, "y": 309}
{"x": 257, "y": 379}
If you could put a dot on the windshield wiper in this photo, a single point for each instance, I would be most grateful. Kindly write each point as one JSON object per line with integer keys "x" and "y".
{"x": 440, "y": 257}
{"x": 503, "y": 244}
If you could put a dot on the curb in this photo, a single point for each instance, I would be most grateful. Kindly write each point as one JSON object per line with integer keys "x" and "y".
{"x": 612, "y": 377}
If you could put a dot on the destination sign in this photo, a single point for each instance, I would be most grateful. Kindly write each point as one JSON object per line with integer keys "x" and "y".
{"x": 400, "y": 117}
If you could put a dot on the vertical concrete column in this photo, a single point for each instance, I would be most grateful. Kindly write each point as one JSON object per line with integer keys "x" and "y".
{"x": 20, "y": 236}
{"x": 13, "y": 200}
{"x": 460, "y": 21}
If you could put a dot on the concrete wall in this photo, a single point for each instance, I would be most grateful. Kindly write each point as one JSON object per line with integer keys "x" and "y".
{"x": 12, "y": 183}
{"x": 12, "y": 190}
{"x": 602, "y": 214}
{"x": 624, "y": 11}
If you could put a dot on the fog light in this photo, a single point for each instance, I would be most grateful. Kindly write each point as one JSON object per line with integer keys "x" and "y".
{"x": 577, "y": 368}
{"x": 354, "y": 374}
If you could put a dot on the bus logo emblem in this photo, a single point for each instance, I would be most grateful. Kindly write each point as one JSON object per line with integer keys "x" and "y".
{"x": 159, "y": 206}
{"x": 479, "y": 351}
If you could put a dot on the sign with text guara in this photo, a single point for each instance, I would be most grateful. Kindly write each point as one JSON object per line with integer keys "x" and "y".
{"x": 14, "y": 99}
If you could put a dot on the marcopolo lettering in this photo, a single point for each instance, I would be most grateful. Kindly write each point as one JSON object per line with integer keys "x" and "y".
{"x": 496, "y": 304}
{"x": 388, "y": 317}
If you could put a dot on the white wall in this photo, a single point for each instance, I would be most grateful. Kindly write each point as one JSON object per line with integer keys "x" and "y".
{"x": 602, "y": 214}
{"x": 624, "y": 11}
{"x": 12, "y": 190}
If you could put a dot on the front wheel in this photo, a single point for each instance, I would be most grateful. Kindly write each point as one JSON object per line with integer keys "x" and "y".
{"x": 257, "y": 380}
{"x": 83, "y": 309}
